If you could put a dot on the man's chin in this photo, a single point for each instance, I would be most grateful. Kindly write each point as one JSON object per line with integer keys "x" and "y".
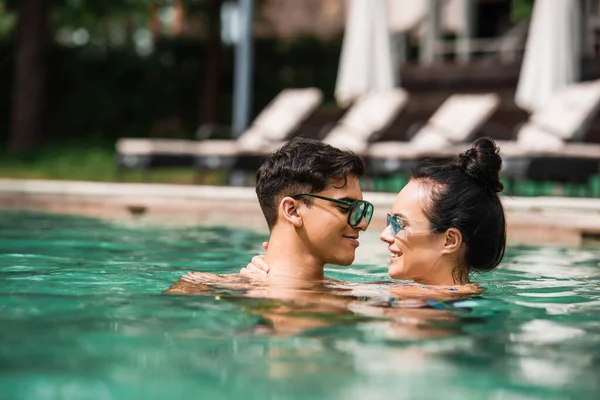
{"x": 344, "y": 261}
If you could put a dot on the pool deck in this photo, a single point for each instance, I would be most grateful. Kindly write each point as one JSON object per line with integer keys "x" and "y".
{"x": 531, "y": 220}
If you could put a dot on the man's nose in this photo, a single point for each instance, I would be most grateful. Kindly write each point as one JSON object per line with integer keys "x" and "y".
{"x": 362, "y": 225}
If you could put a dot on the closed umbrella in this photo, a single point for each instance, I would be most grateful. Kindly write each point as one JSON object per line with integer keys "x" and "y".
{"x": 552, "y": 52}
{"x": 366, "y": 60}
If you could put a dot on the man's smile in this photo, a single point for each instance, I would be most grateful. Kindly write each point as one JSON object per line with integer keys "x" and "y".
{"x": 353, "y": 239}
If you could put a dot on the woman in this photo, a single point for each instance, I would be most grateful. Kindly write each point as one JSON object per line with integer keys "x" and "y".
{"x": 445, "y": 224}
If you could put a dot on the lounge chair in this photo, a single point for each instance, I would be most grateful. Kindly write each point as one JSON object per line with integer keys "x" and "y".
{"x": 366, "y": 119}
{"x": 275, "y": 123}
{"x": 548, "y": 147}
{"x": 454, "y": 123}
{"x": 145, "y": 154}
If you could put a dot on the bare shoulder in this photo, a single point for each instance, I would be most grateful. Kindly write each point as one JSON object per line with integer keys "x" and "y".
{"x": 221, "y": 281}
{"x": 183, "y": 286}
{"x": 204, "y": 283}
{"x": 436, "y": 292}
{"x": 208, "y": 278}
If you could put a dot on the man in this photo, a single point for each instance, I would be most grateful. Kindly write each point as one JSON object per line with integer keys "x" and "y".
{"x": 310, "y": 196}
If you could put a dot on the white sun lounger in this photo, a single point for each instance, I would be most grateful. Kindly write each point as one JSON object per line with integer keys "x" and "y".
{"x": 553, "y": 136}
{"x": 270, "y": 128}
{"x": 275, "y": 123}
{"x": 367, "y": 117}
{"x": 455, "y": 122}
{"x": 565, "y": 118}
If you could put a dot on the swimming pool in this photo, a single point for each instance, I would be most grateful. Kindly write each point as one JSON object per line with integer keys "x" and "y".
{"x": 82, "y": 316}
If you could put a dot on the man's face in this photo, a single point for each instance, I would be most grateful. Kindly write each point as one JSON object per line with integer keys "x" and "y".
{"x": 325, "y": 224}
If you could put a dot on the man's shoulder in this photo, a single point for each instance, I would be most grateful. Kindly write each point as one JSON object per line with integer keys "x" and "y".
{"x": 207, "y": 283}
{"x": 212, "y": 279}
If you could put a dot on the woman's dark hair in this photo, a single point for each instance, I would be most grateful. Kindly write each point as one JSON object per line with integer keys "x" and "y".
{"x": 302, "y": 166}
{"x": 464, "y": 195}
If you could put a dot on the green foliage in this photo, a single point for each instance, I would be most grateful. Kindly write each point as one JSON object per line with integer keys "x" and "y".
{"x": 521, "y": 10}
{"x": 97, "y": 17}
{"x": 107, "y": 93}
{"x": 60, "y": 162}
{"x": 92, "y": 161}
{"x": 102, "y": 92}
{"x": 7, "y": 21}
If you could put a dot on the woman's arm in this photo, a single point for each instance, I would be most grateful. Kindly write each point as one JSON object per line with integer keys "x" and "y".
{"x": 257, "y": 268}
{"x": 183, "y": 286}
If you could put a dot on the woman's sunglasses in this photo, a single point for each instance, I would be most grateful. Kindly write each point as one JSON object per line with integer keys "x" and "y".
{"x": 398, "y": 224}
{"x": 359, "y": 209}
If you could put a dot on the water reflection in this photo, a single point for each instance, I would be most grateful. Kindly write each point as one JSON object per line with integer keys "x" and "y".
{"x": 84, "y": 296}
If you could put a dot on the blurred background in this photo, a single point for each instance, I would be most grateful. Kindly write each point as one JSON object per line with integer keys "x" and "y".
{"x": 78, "y": 75}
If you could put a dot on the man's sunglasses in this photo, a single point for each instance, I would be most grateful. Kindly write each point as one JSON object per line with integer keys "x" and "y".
{"x": 358, "y": 208}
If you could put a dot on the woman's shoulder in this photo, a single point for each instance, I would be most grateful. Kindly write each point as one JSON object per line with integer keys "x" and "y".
{"x": 436, "y": 292}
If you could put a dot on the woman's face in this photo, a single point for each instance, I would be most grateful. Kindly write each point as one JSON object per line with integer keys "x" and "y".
{"x": 415, "y": 250}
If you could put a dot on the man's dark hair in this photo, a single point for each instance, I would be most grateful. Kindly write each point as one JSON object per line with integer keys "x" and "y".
{"x": 302, "y": 166}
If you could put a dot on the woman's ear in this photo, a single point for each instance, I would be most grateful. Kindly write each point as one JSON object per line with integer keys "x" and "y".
{"x": 452, "y": 241}
{"x": 288, "y": 210}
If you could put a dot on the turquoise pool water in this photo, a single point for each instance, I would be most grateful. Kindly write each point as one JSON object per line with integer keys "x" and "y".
{"x": 82, "y": 317}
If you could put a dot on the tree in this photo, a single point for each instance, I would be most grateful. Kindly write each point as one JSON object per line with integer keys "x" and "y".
{"x": 33, "y": 34}
{"x": 29, "y": 80}
{"x": 209, "y": 104}
{"x": 521, "y": 10}
{"x": 35, "y": 31}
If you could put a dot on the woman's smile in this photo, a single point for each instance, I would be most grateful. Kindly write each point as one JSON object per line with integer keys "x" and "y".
{"x": 395, "y": 254}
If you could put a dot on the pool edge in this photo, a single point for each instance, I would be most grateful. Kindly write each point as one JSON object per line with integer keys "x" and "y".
{"x": 531, "y": 221}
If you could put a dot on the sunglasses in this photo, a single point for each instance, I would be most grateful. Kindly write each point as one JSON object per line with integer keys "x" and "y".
{"x": 358, "y": 209}
{"x": 398, "y": 224}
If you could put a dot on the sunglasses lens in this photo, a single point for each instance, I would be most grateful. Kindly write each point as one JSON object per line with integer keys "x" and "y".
{"x": 369, "y": 212}
{"x": 356, "y": 213}
{"x": 391, "y": 220}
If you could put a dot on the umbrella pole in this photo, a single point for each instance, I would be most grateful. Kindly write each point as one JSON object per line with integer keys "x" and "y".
{"x": 242, "y": 91}
{"x": 428, "y": 52}
{"x": 464, "y": 49}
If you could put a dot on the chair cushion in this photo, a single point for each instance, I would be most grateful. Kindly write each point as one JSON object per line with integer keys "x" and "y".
{"x": 461, "y": 115}
{"x": 429, "y": 138}
{"x": 285, "y": 112}
{"x": 569, "y": 109}
{"x": 373, "y": 112}
{"x": 534, "y": 138}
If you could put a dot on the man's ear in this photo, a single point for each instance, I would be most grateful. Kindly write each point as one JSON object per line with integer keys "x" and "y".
{"x": 288, "y": 210}
{"x": 452, "y": 241}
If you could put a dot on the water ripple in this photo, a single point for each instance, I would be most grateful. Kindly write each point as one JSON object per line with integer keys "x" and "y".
{"x": 84, "y": 295}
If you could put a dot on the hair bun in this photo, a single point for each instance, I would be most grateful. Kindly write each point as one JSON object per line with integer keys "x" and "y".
{"x": 483, "y": 163}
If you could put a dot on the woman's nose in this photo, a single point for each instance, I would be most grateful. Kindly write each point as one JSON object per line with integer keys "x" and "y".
{"x": 386, "y": 235}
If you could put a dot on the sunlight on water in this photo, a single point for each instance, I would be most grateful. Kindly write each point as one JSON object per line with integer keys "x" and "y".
{"x": 82, "y": 316}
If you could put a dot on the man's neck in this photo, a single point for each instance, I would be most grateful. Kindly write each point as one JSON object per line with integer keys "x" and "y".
{"x": 290, "y": 261}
